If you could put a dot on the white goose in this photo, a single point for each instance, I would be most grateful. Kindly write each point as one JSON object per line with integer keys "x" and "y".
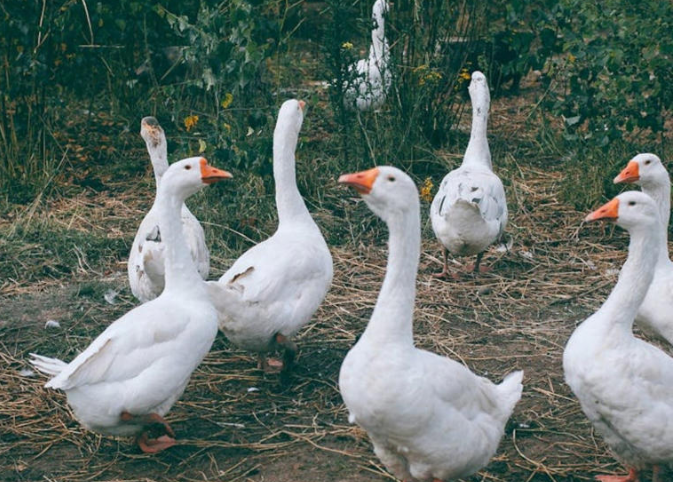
{"x": 274, "y": 288}
{"x": 429, "y": 417}
{"x": 624, "y": 384}
{"x": 146, "y": 259}
{"x": 469, "y": 211}
{"x": 656, "y": 312}
{"x": 368, "y": 90}
{"x": 132, "y": 374}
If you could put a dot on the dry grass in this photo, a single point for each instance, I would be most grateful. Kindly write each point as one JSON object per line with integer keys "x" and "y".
{"x": 237, "y": 424}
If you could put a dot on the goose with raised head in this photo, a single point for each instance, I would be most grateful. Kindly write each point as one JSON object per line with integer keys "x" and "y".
{"x": 146, "y": 260}
{"x": 130, "y": 376}
{"x": 655, "y": 314}
{"x": 274, "y": 288}
{"x": 428, "y": 417}
{"x": 371, "y": 76}
{"x": 469, "y": 211}
{"x": 624, "y": 384}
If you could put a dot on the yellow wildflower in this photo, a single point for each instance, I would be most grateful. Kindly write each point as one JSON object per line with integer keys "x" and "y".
{"x": 228, "y": 99}
{"x": 464, "y": 75}
{"x": 426, "y": 190}
{"x": 227, "y": 127}
{"x": 571, "y": 58}
{"x": 191, "y": 121}
{"x": 347, "y": 45}
{"x": 431, "y": 77}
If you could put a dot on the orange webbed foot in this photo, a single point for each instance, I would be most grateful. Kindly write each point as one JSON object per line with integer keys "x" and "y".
{"x": 631, "y": 477}
{"x": 154, "y": 445}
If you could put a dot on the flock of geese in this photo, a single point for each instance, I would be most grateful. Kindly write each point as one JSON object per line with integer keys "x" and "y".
{"x": 429, "y": 418}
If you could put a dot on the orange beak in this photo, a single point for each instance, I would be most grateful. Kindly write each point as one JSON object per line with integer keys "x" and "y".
{"x": 362, "y": 181}
{"x": 629, "y": 173}
{"x": 608, "y": 210}
{"x": 302, "y": 105}
{"x": 210, "y": 174}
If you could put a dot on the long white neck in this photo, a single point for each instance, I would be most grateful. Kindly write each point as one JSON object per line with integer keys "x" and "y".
{"x": 620, "y": 308}
{"x": 477, "y": 152}
{"x": 180, "y": 270}
{"x": 159, "y": 158}
{"x": 379, "y": 50}
{"x": 392, "y": 320}
{"x": 290, "y": 204}
{"x": 660, "y": 191}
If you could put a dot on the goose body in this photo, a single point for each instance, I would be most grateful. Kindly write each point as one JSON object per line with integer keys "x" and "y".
{"x": 624, "y": 384}
{"x": 134, "y": 371}
{"x": 146, "y": 260}
{"x": 655, "y": 314}
{"x": 368, "y": 90}
{"x": 428, "y": 417}
{"x": 274, "y": 288}
{"x": 469, "y": 211}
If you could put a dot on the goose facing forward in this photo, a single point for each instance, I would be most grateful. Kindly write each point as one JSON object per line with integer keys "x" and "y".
{"x": 128, "y": 378}
{"x": 368, "y": 90}
{"x": 146, "y": 260}
{"x": 624, "y": 384}
{"x": 274, "y": 288}
{"x": 655, "y": 314}
{"x": 428, "y": 417}
{"x": 469, "y": 211}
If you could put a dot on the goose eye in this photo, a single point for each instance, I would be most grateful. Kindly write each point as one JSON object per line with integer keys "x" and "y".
{"x": 391, "y": 178}
{"x": 632, "y": 203}
{"x": 647, "y": 162}
{"x": 188, "y": 167}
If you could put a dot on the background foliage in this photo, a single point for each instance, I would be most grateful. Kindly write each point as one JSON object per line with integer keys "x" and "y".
{"x": 76, "y": 74}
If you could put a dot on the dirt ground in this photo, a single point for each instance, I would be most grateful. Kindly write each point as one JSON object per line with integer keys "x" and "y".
{"x": 235, "y": 423}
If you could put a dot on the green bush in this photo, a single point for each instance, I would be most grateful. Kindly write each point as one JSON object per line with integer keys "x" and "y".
{"x": 174, "y": 59}
{"x": 615, "y": 79}
{"x": 611, "y": 86}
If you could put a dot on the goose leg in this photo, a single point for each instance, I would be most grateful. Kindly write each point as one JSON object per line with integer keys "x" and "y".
{"x": 151, "y": 445}
{"x": 289, "y": 350}
{"x": 271, "y": 365}
{"x": 632, "y": 477}
{"x": 655, "y": 473}
{"x": 477, "y": 268}
{"x": 445, "y": 271}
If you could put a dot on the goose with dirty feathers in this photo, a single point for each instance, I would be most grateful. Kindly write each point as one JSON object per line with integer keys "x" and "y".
{"x": 624, "y": 384}
{"x": 372, "y": 78}
{"x": 428, "y": 417}
{"x": 128, "y": 378}
{"x": 655, "y": 314}
{"x": 469, "y": 211}
{"x": 274, "y": 288}
{"x": 146, "y": 260}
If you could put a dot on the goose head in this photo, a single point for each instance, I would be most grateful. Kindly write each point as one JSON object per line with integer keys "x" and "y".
{"x": 152, "y": 133}
{"x": 290, "y": 118}
{"x": 155, "y": 139}
{"x": 479, "y": 93}
{"x": 630, "y": 210}
{"x": 379, "y": 9}
{"x": 643, "y": 169}
{"x": 387, "y": 190}
{"x": 186, "y": 177}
